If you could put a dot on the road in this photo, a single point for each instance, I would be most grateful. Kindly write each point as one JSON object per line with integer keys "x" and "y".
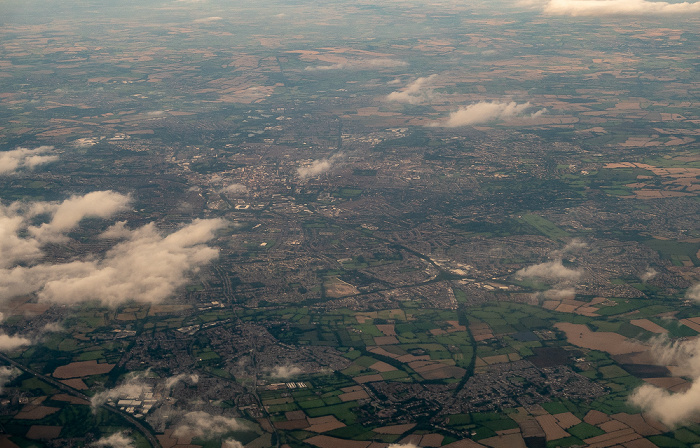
{"x": 64, "y": 388}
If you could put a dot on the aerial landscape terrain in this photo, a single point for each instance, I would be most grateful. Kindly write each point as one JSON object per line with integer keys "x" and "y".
{"x": 349, "y": 223}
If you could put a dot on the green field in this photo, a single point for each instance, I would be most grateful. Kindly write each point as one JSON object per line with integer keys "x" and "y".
{"x": 545, "y": 227}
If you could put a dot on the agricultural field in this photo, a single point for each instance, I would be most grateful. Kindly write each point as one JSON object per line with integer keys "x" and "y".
{"x": 349, "y": 224}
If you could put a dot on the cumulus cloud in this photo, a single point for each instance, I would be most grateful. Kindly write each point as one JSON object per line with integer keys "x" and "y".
{"x": 24, "y": 158}
{"x": 486, "y": 112}
{"x": 574, "y": 245}
{"x": 52, "y": 327}
{"x": 116, "y": 440}
{"x": 360, "y": 64}
{"x": 285, "y": 371}
{"x": 134, "y": 386}
{"x": 203, "y": 424}
{"x": 648, "y": 274}
{"x": 550, "y": 270}
{"x": 21, "y": 242}
{"x": 145, "y": 267}
{"x": 559, "y": 294}
{"x": 67, "y": 214}
{"x": 231, "y": 443}
{"x": 9, "y": 343}
{"x": 670, "y": 409}
{"x": 554, "y": 270}
{"x": 683, "y": 353}
{"x": 318, "y": 167}
{"x": 419, "y": 91}
{"x": 13, "y": 247}
{"x": 693, "y": 292}
{"x": 235, "y": 189}
{"x": 619, "y": 8}
{"x": 673, "y": 408}
{"x": 208, "y": 19}
{"x": 382, "y": 62}
{"x": 7, "y": 374}
{"x": 173, "y": 380}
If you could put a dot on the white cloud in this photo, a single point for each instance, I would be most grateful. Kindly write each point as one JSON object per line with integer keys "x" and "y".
{"x": 382, "y": 62}
{"x": 318, "y": 167}
{"x": 551, "y": 270}
{"x": 673, "y": 408}
{"x": 13, "y": 248}
{"x": 559, "y": 294}
{"x": 406, "y": 445}
{"x": 419, "y": 91}
{"x": 619, "y": 8}
{"x": 21, "y": 242}
{"x": 360, "y": 64}
{"x": 173, "y": 380}
{"x": 52, "y": 327}
{"x": 235, "y": 189}
{"x": 648, "y": 274}
{"x": 208, "y": 19}
{"x": 682, "y": 353}
{"x": 9, "y": 343}
{"x": 7, "y": 374}
{"x": 116, "y": 440}
{"x": 574, "y": 245}
{"x": 146, "y": 267}
{"x": 134, "y": 386}
{"x": 285, "y": 371}
{"x": 203, "y": 424}
{"x": 118, "y": 230}
{"x": 67, "y": 214}
{"x": 16, "y": 159}
{"x": 231, "y": 443}
{"x": 670, "y": 409}
{"x": 693, "y": 292}
{"x": 485, "y": 112}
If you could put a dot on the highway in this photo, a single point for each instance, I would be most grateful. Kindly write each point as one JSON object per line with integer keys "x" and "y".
{"x": 64, "y": 388}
